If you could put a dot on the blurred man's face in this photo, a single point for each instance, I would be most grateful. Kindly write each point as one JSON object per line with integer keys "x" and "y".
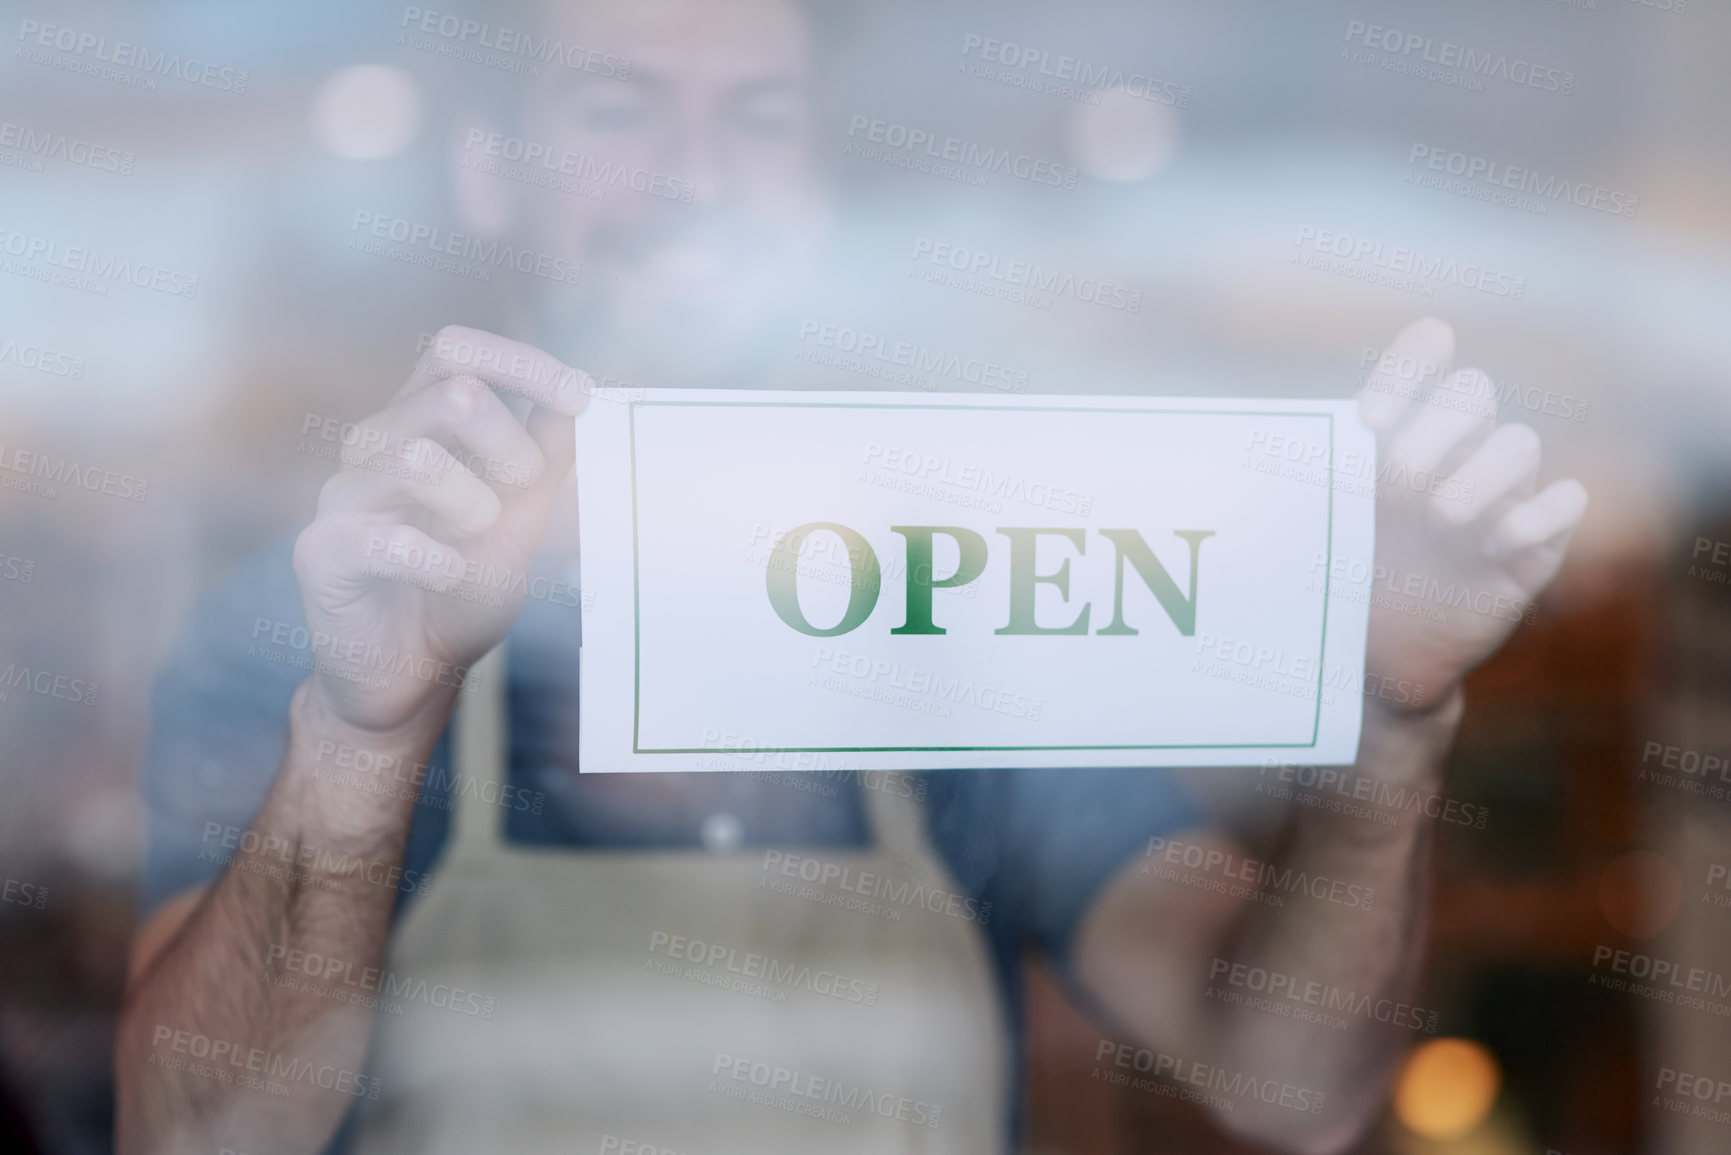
{"x": 714, "y": 119}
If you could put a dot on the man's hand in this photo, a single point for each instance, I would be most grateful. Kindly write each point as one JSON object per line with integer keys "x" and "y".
{"x": 422, "y": 538}
{"x": 1456, "y": 510}
{"x": 414, "y": 557}
{"x": 1148, "y": 948}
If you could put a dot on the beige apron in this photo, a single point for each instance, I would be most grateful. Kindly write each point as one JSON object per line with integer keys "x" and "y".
{"x": 816, "y": 1028}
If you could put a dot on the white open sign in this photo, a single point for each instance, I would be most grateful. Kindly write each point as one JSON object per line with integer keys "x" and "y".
{"x": 885, "y": 581}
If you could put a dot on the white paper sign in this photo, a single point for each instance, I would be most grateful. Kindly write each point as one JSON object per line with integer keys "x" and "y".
{"x": 787, "y": 581}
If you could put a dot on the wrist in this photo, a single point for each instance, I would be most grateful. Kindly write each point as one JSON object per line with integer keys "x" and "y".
{"x": 315, "y": 718}
{"x": 1399, "y": 750}
{"x": 351, "y": 788}
{"x": 1433, "y": 724}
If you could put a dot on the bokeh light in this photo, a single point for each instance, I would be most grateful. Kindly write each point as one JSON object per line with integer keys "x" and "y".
{"x": 1124, "y": 137}
{"x": 366, "y": 112}
{"x": 1446, "y": 1088}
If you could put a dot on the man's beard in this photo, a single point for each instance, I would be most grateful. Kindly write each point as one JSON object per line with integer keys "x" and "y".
{"x": 699, "y": 302}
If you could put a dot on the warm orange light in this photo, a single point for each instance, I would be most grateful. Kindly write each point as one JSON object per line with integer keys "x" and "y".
{"x": 1446, "y": 1088}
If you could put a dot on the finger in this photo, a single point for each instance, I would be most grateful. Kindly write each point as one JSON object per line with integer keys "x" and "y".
{"x": 1416, "y": 359}
{"x": 410, "y": 556}
{"x": 1504, "y": 466}
{"x": 390, "y": 486}
{"x": 1535, "y": 534}
{"x": 511, "y": 366}
{"x": 1437, "y": 432}
{"x": 461, "y": 411}
{"x": 356, "y": 551}
{"x": 555, "y": 436}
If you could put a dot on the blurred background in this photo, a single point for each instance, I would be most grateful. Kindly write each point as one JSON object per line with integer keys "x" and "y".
{"x": 1249, "y": 173}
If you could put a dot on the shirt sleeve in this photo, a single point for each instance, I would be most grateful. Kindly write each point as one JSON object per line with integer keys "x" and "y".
{"x": 219, "y": 718}
{"x": 1072, "y": 830}
{"x": 1041, "y": 843}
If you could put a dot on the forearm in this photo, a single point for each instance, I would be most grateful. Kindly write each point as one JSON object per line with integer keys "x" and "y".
{"x": 1357, "y": 939}
{"x": 205, "y": 1028}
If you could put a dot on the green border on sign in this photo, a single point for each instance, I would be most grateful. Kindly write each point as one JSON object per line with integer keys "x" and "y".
{"x": 636, "y": 595}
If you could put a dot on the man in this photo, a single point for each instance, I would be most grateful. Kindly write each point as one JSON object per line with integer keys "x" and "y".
{"x": 274, "y": 882}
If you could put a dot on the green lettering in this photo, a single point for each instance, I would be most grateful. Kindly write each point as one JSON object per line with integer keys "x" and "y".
{"x": 783, "y": 579}
{"x": 970, "y": 565}
{"x": 1023, "y": 579}
{"x": 1180, "y": 609}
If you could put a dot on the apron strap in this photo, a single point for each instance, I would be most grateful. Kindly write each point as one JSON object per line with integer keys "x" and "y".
{"x": 478, "y": 748}
{"x": 896, "y": 820}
